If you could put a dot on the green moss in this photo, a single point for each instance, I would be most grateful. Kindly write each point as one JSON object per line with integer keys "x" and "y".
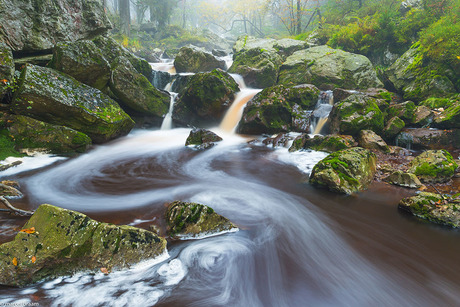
{"x": 7, "y": 146}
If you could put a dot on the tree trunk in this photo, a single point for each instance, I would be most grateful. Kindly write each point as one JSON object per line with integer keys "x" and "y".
{"x": 125, "y": 17}
{"x": 115, "y": 6}
{"x": 183, "y": 14}
{"x": 299, "y": 18}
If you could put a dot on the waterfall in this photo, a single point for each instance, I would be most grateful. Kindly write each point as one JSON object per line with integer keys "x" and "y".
{"x": 167, "y": 121}
{"x": 321, "y": 112}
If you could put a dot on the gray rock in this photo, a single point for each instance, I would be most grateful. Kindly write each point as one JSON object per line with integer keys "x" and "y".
{"x": 407, "y": 180}
{"x": 193, "y": 59}
{"x": 427, "y": 138}
{"x": 392, "y": 128}
{"x": 202, "y": 139}
{"x": 370, "y": 140}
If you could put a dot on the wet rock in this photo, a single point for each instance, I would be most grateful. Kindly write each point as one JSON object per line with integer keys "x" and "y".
{"x": 189, "y": 220}
{"x": 279, "y": 140}
{"x": 194, "y": 59}
{"x": 202, "y": 138}
{"x": 160, "y": 79}
{"x": 392, "y": 128}
{"x": 434, "y": 208}
{"x": 355, "y": 113}
{"x": 47, "y": 95}
{"x": 205, "y": 99}
{"x": 134, "y": 90}
{"x": 433, "y": 166}
{"x": 218, "y": 52}
{"x": 61, "y": 242}
{"x": 39, "y": 25}
{"x": 82, "y": 60}
{"x": 279, "y": 109}
{"x": 345, "y": 171}
{"x": 6, "y": 69}
{"x": 180, "y": 82}
{"x": 378, "y": 93}
{"x": 407, "y": 180}
{"x": 423, "y": 116}
{"x": 370, "y": 140}
{"x": 327, "y": 143}
{"x": 328, "y": 68}
{"x": 449, "y": 118}
{"x": 426, "y": 138}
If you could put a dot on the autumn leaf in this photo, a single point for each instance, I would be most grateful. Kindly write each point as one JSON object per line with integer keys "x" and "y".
{"x": 29, "y": 230}
{"x": 105, "y": 271}
{"x": 4, "y": 81}
{"x": 458, "y": 57}
{"x": 34, "y": 259}
{"x": 15, "y": 261}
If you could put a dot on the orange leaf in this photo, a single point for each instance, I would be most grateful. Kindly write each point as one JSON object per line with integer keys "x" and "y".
{"x": 15, "y": 261}
{"x": 29, "y": 230}
{"x": 105, "y": 271}
{"x": 34, "y": 259}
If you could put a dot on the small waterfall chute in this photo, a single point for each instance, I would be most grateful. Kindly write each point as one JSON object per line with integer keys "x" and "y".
{"x": 321, "y": 112}
{"x": 167, "y": 121}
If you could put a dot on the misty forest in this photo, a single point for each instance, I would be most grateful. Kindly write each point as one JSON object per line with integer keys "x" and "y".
{"x": 229, "y": 153}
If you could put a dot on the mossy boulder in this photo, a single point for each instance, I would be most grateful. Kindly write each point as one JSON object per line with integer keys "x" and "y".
{"x": 194, "y": 59}
{"x": 246, "y": 42}
{"x": 417, "y": 78}
{"x": 205, "y": 99}
{"x": 355, "y": 113}
{"x": 407, "y": 180}
{"x": 393, "y": 127}
{"x": 433, "y": 166}
{"x": 6, "y": 69}
{"x": 370, "y": 140}
{"x": 449, "y": 118}
{"x": 427, "y": 138}
{"x": 202, "y": 139}
{"x": 346, "y": 171}
{"x": 82, "y": 60}
{"x": 329, "y": 68}
{"x": 135, "y": 92}
{"x": 259, "y": 67}
{"x": 279, "y": 109}
{"x": 433, "y": 207}
{"x": 38, "y": 25}
{"x": 327, "y": 143}
{"x": 189, "y": 220}
{"x": 287, "y": 46}
{"x": 58, "y": 242}
{"x": 50, "y": 96}
{"x": 405, "y": 111}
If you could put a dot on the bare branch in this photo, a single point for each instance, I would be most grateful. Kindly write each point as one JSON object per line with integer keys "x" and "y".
{"x": 13, "y": 209}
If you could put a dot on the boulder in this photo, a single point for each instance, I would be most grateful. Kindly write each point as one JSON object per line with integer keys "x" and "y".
{"x": 327, "y": 143}
{"x": 329, "y": 68}
{"x": 279, "y": 140}
{"x": 370, "y": 140}
{"x": 38, "y": 25}
{"x": 433, "y": 166}
{"x": 345, "y": 171}
{"x": 56, "y": 242}
{"x": 423, "y": 116}
{"x": 427, "y": 138}
{"x": 417, "y": 79}
{"x": 405, "y": 111}
{"x": 246, "y": 42}
{"x": 82, "y": 60}
{"x": 192, "y": 220}
{"x": 407, "y": 180}
{"x": 50, "y": 96}
{"x": 259, "y": 67}
{"x": 160, "y": 79}
{"x": 287, "y": 46}
{"x": 180, "y": 82}
{"x": 6, "y": 69}
{"x": 393, "y": 127}
{"x": 279, "y": 109}
{"x": 434, "y": 208}
{"x": 202, "y": 139}
{"x": 355, "y": 113}
{"x": 449, "y": 118}
{"x": 205, "y": 99}
{"x": 135, "y": 92}
{"x": 194, "y": 59}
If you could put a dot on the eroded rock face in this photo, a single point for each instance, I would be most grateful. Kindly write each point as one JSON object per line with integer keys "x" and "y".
{"x": 327, "y": 143}
{"x": 193, "y": 59}
{"x": 407, "y": 180}
{"x": 39, "y": 25}
{"x": 433, "y": 166}
{"x": 345, "y": 171}
{"x": 434, "y": 208}
{"x": 63, "y": 242}
{"x": 188, "y": 220}
{"x": 202, "y": 139}
{"x": 47, "y": 95}
{"x": 329, "y": 68}
{"x": 6, "y": 69}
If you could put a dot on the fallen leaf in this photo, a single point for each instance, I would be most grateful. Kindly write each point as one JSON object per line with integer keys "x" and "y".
{"x": 105, "y": 271}
{"x": 15, "y": 261}
{"x": 29, "y": 230}
{"x": 34, "y": 259}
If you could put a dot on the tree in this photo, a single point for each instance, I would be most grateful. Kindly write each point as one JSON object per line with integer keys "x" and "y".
{"x": 291, "y": 12}
{"x": 125, "y": 17}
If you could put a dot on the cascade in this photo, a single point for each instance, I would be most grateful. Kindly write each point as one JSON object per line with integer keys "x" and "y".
{"x": 167, "y": 121}
{"x": 321, "y": 112}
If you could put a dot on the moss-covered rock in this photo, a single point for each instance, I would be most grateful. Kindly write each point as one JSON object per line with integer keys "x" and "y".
{"x": 259, "y": 67}
{"x": 194, "y": 59}
{"x": 405, "y": 111}
{"x": 407, "y": 180}
{"x": 393, "y": 127}
{"x": 194, "y": 220}
{"x": 246, "y": 42}
{"x": 59, "y": 242}
{"x": 345, "y": 171}
{"x": 6, "y": 69}
{"x": 82, "y": 60}
{"x": 370, "y": 140}
{"x": 434, "y": 208}
{"x": 134, "y": 91}
{"x": 29, "y": 133}
{"x": 327, "y": 143}
{"x": 205, "y": 99}
{"x": 202, "y": 139}
{"x": 50, "y": 96}
{"x": 287, "y": 46}
{"x": 355, "y": 113}
{"x": 39, "y": 25}
{"x": 449, "y": 118}
{"x": 326, "y": 67}
{"x": 433, "y": 166}
{"x": 427, "y": 138}
{"x": 279, "y": 109}
{"x": 423, "y": 116}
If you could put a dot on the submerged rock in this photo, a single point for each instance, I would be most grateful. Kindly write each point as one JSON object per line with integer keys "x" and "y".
{"x": 327, "y": 143}
{"x": 434, "y": 208}
{"x": 194, "y": 220}
{"x": 194, "y": 59}
{"x": 407, "y": 180}
{"x": 433, "y": 166}
{"x": 202, "y": 138}
{"x": 6, "y": 69}
{"x": 370, "y": 140}
{"x": 58, "y": 242}
{"x": 345, "y": 171}
{"x": 50, "y": 96}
